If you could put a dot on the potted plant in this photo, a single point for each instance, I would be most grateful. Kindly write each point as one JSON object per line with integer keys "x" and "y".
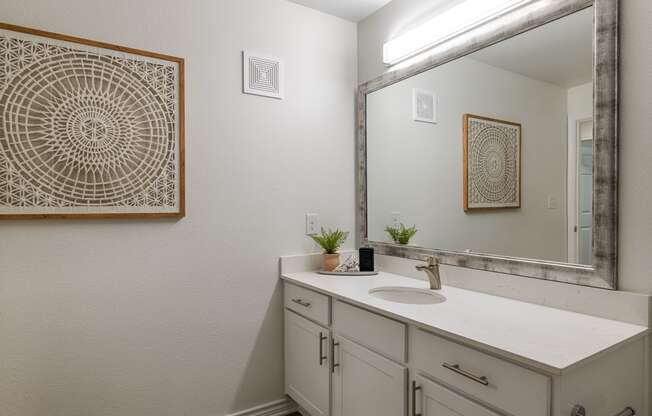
{"x": 330, "y": 241}
{"x": 401, "y": 234}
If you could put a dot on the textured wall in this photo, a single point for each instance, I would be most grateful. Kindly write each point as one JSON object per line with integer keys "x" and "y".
{"x": 635, "y": 233}
{"x": 635, "y": 240}
{"x": 184, "y": 318}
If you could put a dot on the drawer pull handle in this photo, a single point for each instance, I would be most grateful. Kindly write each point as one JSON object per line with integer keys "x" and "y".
{"x": 581, "y": 411}
{"x": 415, "y": 388}
{"x": 457, "y": 369}
{"x": 302, "y": 302}
{"x": 322, "y": 357}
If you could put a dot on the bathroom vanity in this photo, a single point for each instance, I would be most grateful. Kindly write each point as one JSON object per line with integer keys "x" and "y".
{"x": 498, "y": 146}
{"x": 349, "y": 352}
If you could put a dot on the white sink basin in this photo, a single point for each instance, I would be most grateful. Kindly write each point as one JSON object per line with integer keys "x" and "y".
{"x": 409, "y": 295}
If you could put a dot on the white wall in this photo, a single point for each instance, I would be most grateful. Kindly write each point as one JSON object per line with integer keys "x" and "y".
{"x": 184, "y": 318}
{"x": 635, "y": 198}
{"x": 416, "y": 168}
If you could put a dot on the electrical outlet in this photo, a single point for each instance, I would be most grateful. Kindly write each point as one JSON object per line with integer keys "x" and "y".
{"x": 396, "y": 218}
{"x": 312, "y": 224}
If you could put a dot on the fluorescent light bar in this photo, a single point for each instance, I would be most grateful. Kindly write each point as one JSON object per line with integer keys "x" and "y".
{"x": 444, "y": 26}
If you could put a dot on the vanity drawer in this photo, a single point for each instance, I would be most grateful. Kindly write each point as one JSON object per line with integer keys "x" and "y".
{"x": 375, "y": 332}
{"x": 308, "y": 303}
{"x": 507, "y": 386}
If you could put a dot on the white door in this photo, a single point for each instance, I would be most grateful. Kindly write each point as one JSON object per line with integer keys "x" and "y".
{"x": 307, "y": 376}
{"x": 585, "y": 193}
{"x": 431, "y": 399}
{"x": 365, "y": 383}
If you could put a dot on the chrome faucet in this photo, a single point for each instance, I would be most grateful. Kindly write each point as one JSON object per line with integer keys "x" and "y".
{"x": 432, "y": 270}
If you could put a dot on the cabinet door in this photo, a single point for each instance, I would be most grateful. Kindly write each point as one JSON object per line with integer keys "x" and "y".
{"x": 307, "y": 376}
{"x": 365, "y": 383}
{"x": 431, "y": 399}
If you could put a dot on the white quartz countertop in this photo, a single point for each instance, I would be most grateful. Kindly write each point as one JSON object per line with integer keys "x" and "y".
{"x": 551, "y": 340}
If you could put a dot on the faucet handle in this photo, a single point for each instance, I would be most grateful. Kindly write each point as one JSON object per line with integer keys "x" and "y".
{"x": 432, "y": 270}
{"x": 432, "y": 261}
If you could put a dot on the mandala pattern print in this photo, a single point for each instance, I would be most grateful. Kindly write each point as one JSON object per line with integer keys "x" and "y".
{"x": 86, "y": 130}
{"x": 492, "y": 163}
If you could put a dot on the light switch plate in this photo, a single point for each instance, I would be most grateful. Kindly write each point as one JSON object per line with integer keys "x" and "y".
{"x": 312, "y": 224}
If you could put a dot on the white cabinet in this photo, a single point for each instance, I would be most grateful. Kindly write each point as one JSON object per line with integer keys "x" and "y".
{"x": 383, "y": 335}
{"x": 365, "y": 383}
{"x": 432, "y": 399}
{"x": 307, "y": 376}
{"x": 308, "y": 303}
{"x": 504, "y": 385}
{"x": 345, "y": 360}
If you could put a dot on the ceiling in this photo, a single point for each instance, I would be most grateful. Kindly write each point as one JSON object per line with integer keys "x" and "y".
{"x": 559, "y": 53}
{"x": 353, "y": 10}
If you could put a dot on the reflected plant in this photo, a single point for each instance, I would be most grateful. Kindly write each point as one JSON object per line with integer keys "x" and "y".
{"x": 401, "y": 234}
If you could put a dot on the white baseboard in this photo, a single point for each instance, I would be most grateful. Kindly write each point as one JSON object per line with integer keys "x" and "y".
{"x": 280, "y": 407}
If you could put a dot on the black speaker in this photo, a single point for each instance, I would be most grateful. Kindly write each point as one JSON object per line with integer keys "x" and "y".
{"x": 366, "y": 259}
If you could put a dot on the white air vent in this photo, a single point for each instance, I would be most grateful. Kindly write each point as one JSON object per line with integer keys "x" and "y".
{"x": 263, "y": 75}
{"x": 424, "y": 106}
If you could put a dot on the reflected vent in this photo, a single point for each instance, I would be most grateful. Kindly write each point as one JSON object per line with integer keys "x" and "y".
{"x": 424, "y": 106}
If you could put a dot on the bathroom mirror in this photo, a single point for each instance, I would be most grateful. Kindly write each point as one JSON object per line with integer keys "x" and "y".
{"x": 500, "y": 147}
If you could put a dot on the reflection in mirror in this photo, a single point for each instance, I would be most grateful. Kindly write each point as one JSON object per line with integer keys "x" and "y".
{"x": 491, "y": 153}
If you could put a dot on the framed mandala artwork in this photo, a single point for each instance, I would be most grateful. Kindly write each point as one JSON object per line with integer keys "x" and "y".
{"x": 492, "y": 163}
{"x": 88, "y": 129}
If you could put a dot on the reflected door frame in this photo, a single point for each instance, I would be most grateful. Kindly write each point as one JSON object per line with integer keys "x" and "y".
{"x": 574, "y": 165}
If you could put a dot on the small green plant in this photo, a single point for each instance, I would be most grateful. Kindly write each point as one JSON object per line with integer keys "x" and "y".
{"x": 330, "y": 240}
{"x": 401, "y": 234}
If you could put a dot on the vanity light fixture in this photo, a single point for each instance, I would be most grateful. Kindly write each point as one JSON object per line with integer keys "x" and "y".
{"x": 450, "y": 23}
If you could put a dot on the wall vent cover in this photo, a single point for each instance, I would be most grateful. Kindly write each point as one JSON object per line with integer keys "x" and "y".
{"x": 424, "y": 106}
{"x": 263, "y": 75}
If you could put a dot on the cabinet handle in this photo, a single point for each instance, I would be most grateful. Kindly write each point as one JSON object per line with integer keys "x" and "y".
{"x": 333, "y": 364}
{"x": 581, "y": 411}
{"x": 457, "y": 369}
{"x": 322, "y": 357}
{"x": 302, "y": 302}
{"x": 415, "y": 388}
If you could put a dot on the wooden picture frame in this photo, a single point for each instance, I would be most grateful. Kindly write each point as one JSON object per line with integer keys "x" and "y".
{"x": 500, "y": 187}
{"x": 156, "y": 178}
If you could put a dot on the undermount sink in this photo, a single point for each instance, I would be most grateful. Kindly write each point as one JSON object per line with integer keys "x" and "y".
{"x": 410, "y": 295}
